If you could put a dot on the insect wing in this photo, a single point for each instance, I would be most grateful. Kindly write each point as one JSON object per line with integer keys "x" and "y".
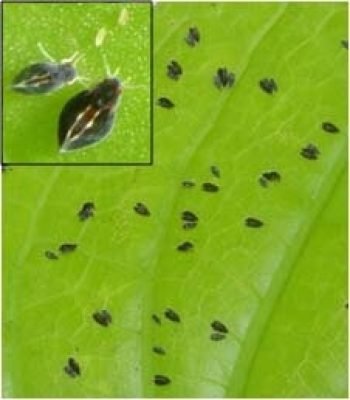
{"x": 38, "y": 79}
{"x": 81, "y": 124}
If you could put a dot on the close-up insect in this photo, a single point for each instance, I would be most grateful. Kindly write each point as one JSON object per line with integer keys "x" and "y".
{"x": 88, "y": 117}
{"x": 48, "y": 76}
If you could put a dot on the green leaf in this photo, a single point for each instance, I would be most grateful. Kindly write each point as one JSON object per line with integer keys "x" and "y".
{"x": 31, "y": 121}
{"x": 280, "y": 289}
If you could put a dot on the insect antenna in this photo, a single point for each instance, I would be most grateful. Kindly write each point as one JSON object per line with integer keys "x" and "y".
{"x": 44, "y": 52}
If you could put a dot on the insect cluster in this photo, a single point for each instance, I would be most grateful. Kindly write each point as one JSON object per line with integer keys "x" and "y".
{"x": 87, "y": 117}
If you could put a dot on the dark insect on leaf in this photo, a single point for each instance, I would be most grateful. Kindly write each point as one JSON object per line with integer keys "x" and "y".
{"x": 193, "y": 36}
{"x": 141, "y": 209}
{"x": 67, "y": 248}
{"x": 156, "y": 319}
{"x": 329, "y": 127}
{"x": 345, "y": 44}
{"x": 347, "y": 305}
{"x": 219, "y": 327}
{"x": 102, "y": 317}
{"x": 215, "y": 171}
{"x": 88, "y": 117}
{"x": 310, "y": 152}
{"x": 217, "y": 336}
{"x": 210, "y": 187}
{"x": 272, "y": 176}
{"x": 72, "y": 368}
{"x": 45, "y": 77}
{"x": 268, "y": 85}
{"x": 174, "y": 70}
{"x": 253, "y": 222}
{"x": 172, "y": 315}
{"x": 189, "y": 225}
{"x": 86, "y": 211}
{"x": 165, "y": 102}
{"x": 224, "y": 78}
{"x": 159, "y": 350}
{"x": 161, "y": 380}
{"x": 51, "y": 255}
{"x": 188, "y": 184}
{"x": 189, "y": 216}
{"x": 185, "y": 246}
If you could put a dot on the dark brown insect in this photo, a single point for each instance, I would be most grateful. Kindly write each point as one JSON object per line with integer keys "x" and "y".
{"x": 185, "y": 246}
{"x": 165, "y": 102}
{"x": 219, "y": 327}
{"x": 268, "y": 85}
{"x": 329, "y": 127}
{"x": 174, "y": 70}
{"x": 67, "y": 248}
{"x": 217, "y": 336}
{"x": 86, "y": 211}
{"x": 51, "y": 255}
{"x": 102, "y": 317}
{"x": 161, "y": 380}
{"x": 158, "y": 350}
{"x": 172, "y": 315}
{"x": 72, "y": 368}
{"x": 156, "y": 319}
{"x": 210, "y": 187}
{"x": 193, "y": 36}
{"x": 189, "y": 216}
{"x": 88, "y": 117}
{"x": 141, "y": 209}
{"x": 224, "y": 78}
{"x": 253, "y": 222}
{"x": 188, "y": 184}
{"x": 310, "y": 152}
{"x": 270, "y": 176}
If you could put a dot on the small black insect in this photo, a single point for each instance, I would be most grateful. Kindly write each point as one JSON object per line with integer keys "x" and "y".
{"x": 88, "y": 117}
{"x": 189, "y": 216}
{"x": 86, "y": 211}
{"x": 40, "y": 78}
{"x": 67, "y": 248}
{"x": 102, "y": 317}
{"x": 72, "y": 368}
{"x": 156, "y": 319}
{"x": 345, "y": 43}
{"x": 159, "y": 350}
{"x": 270, "y": 176}
{"x": 253, "y": 222}
{"x": 174, "y": 70}
{"x": 329, "y": 127}
{"x": 188, "y": 184}
{"x": 165, "y": 102}
{"x": 215, "y": 171}
{"x": 172, "y": 315}
{"x": 193, "y": 36}
{"x": 161, "y": 380}
{"x": 223, "y": 78}
{"x": 219, "y": 327}
{"x": 210, "y": 187}
{"x": 217, "y": 336}
{"x": 310, "y": 152}
{"x": 51, "y": 255}
{"x": 185, "y": 246}
{"x": 189, "y": 225}
{"x": 141, "y": 209}
{"x": 268, "y": 85}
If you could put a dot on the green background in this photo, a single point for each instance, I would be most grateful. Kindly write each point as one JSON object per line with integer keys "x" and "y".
{"x": 31, "y": 122}
{"x": 281, "y": 289}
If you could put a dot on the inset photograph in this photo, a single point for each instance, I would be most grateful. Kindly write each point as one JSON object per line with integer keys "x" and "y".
{"x": 77, "y": 83}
